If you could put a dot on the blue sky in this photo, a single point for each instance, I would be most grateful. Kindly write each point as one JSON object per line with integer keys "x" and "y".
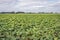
{"x": 30, "y": 5}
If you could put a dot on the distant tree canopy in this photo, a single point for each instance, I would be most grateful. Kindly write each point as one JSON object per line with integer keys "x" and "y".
{"x": 26, "y": 12}
{"x": 10, "y": 12}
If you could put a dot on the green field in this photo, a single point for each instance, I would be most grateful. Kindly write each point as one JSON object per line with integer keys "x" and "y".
{"x": 29, "y": 26}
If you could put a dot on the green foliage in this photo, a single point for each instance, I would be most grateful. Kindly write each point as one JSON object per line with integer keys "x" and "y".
{"x": 29, "y": 27}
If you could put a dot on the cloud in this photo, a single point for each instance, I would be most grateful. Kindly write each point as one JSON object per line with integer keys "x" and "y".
{"x": 39, "y": 5}
{"x": 7, "y": 5}
{"x": 30, "y": 5}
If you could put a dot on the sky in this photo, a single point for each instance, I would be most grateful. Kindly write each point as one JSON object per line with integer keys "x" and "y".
{"x": 30, "y": 5}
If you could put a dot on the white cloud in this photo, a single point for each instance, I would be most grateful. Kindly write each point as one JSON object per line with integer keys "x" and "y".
{"x": 30, "y": 5}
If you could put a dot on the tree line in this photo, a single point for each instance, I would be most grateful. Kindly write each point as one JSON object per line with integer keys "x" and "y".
{"x": 26, "y": 12}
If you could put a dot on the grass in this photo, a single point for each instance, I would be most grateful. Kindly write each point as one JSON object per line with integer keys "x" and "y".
{"x": 29, "y": 26}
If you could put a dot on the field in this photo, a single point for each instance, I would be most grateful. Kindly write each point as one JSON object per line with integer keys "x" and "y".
{"x": 29, "y": 26}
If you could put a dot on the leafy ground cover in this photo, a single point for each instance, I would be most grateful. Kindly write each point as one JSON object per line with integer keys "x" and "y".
{"x": 29, "y": 26}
